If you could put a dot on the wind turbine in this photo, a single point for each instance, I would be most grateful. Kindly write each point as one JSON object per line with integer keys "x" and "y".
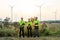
{"x": 12, "y": 12}
{"x": 40, "y": 9}
{"x": 12, "y": 4}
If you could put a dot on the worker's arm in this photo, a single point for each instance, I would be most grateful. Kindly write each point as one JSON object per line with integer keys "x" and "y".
{"x": 38, "y": 23}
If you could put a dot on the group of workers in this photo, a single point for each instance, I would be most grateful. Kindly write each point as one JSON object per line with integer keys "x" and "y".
{"x": 31, "y": 22}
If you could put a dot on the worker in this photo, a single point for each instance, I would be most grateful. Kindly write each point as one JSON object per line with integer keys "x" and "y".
{"x": 44, "y": 29}
{"x": 29, "y": 28}
{"x": 22, "y": 23}
{"x": 36, "y": 27}
{"x": 44, "y": 26}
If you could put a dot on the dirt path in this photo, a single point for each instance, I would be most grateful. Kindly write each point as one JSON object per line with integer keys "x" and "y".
{"x": 25, "y": 38}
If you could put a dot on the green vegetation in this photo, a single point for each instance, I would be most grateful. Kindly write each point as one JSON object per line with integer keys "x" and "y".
{"x": 4, "y": 32}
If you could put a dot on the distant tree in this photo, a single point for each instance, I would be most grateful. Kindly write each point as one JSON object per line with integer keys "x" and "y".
{"x": 0, "y": 23}
{"x": 6, "y": 22}
{"x": 16, "y": 24}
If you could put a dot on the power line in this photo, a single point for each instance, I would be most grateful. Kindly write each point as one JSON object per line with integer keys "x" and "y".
{"x": 55, "y": 15}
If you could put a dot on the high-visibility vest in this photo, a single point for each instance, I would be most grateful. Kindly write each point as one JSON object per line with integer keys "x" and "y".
{"x": 36, "y": 22}
{"x": 29, "y": 23}
{"x": 22, "y": 22}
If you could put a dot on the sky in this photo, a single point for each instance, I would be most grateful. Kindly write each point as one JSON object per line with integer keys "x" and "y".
{"x": 30, "y": 8}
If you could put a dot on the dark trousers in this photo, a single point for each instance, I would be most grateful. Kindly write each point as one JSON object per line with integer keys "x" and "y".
{"x": 21, "y": 31}
{"x": 36, "y": 32}
{"x": 29, "y": 30}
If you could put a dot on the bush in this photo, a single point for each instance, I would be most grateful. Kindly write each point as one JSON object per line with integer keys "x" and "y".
{"x": 8, "y": 32}
{"x": 45, "y": 33}
{"x": 57, "y": 33}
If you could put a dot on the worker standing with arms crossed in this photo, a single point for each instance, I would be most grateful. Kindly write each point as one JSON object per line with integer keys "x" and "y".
{"x": 22, "y": 23}
{"x": 29, "y": 28}
{"x": 36, "y": 27}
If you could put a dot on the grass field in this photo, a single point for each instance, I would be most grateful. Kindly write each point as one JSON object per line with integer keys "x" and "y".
{"x": 53, "y": 26}
{"x": 50, "y": 26}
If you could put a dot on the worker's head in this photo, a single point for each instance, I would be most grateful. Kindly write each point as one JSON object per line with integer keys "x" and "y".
{"x": 36, "y": 18}
{"x": 29, "y": 20}
{"x": 21, "y": 18}
{"x": 32, "y": 19}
